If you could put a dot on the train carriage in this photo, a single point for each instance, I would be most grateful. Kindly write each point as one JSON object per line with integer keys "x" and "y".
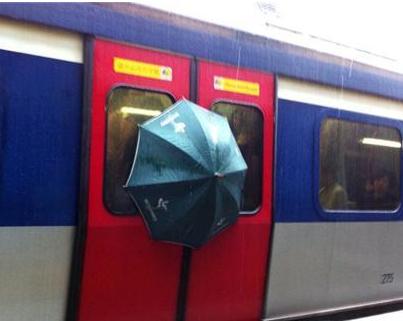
{"x": 320, "y": 227}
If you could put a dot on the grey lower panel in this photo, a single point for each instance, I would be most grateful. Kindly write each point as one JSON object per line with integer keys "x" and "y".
{"x": 34, "y": 272}
{"x": 325, "y": 266}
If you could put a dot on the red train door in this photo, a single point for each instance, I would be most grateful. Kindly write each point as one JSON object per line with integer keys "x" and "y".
{"x": 227, "y": 276}
{"x": 126, "y": 275}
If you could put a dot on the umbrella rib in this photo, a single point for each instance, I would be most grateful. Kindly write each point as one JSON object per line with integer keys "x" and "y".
{"x": 178, "y": 149}
{"x": 200, "y": 123}
{"x": 230, "y": 193}
{"x": 204, "y": 137}
{"x": 200, "y": 153}
{"x": 195, "y": 180}
{"x": 234, "y": 172}
{"x": 228, "y": 163}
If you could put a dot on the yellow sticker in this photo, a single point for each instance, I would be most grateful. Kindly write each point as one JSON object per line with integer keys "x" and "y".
{"x": 236, "y": 86}
{"x": 142, "y": 69}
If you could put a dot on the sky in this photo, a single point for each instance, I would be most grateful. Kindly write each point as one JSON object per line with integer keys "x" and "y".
{"x": 366, "y": 31}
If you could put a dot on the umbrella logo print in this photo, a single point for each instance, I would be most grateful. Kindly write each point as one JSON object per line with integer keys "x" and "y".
{"x": 162, "y": 204}
{"x": 170, "y": 119}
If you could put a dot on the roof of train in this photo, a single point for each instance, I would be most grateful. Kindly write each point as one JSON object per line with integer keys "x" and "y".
{"x": 153, "y": 28}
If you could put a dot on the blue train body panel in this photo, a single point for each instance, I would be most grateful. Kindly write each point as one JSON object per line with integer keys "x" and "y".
{"x": 40, "y": 104}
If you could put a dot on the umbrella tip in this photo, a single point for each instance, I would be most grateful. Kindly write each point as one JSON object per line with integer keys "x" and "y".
{"x": 219, "y": 175}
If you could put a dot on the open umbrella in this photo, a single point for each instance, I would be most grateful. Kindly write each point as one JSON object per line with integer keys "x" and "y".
{"x": 187, "y": 175}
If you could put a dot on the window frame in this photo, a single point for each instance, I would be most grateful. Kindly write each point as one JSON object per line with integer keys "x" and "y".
{"x": 114, "y": 87}
{"x": 354, "y": 215}
{"x": 261, "y": 113}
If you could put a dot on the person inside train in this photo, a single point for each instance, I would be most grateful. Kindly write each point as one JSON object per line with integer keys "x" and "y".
{"x": 332, "y": 195}
{"x": 239, "y": 129}
{"x": 248, "y": 140}
{"x": 381, "y": 192}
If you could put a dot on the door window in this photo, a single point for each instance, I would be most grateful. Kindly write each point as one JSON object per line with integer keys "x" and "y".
{"x": 246, "y": 123}
{"x": 126, "y": 109}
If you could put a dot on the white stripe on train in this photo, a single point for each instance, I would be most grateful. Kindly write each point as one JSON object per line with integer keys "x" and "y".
{"x": 338, "y": 98}
{"x": 40, "y": 41}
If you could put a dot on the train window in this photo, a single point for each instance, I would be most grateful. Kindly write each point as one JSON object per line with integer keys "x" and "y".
{"x": 247, "y": 126}
{"x": 126, "y": 108}
{"x": 359, "y": 166}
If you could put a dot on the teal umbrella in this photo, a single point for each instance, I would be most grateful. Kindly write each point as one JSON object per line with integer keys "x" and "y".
{"x": 187, "y": 175}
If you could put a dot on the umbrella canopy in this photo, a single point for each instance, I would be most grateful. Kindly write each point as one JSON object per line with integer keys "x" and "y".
{"x": 187, "y": 175}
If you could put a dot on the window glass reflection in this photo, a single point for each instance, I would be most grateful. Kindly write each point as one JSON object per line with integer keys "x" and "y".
{"x": 247, "y": 126}
{"x": 359, "y": 166}
{"x": 126, "y": 108}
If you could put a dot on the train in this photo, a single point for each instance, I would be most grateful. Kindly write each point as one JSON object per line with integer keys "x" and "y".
{"x": 320, "y": 228}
